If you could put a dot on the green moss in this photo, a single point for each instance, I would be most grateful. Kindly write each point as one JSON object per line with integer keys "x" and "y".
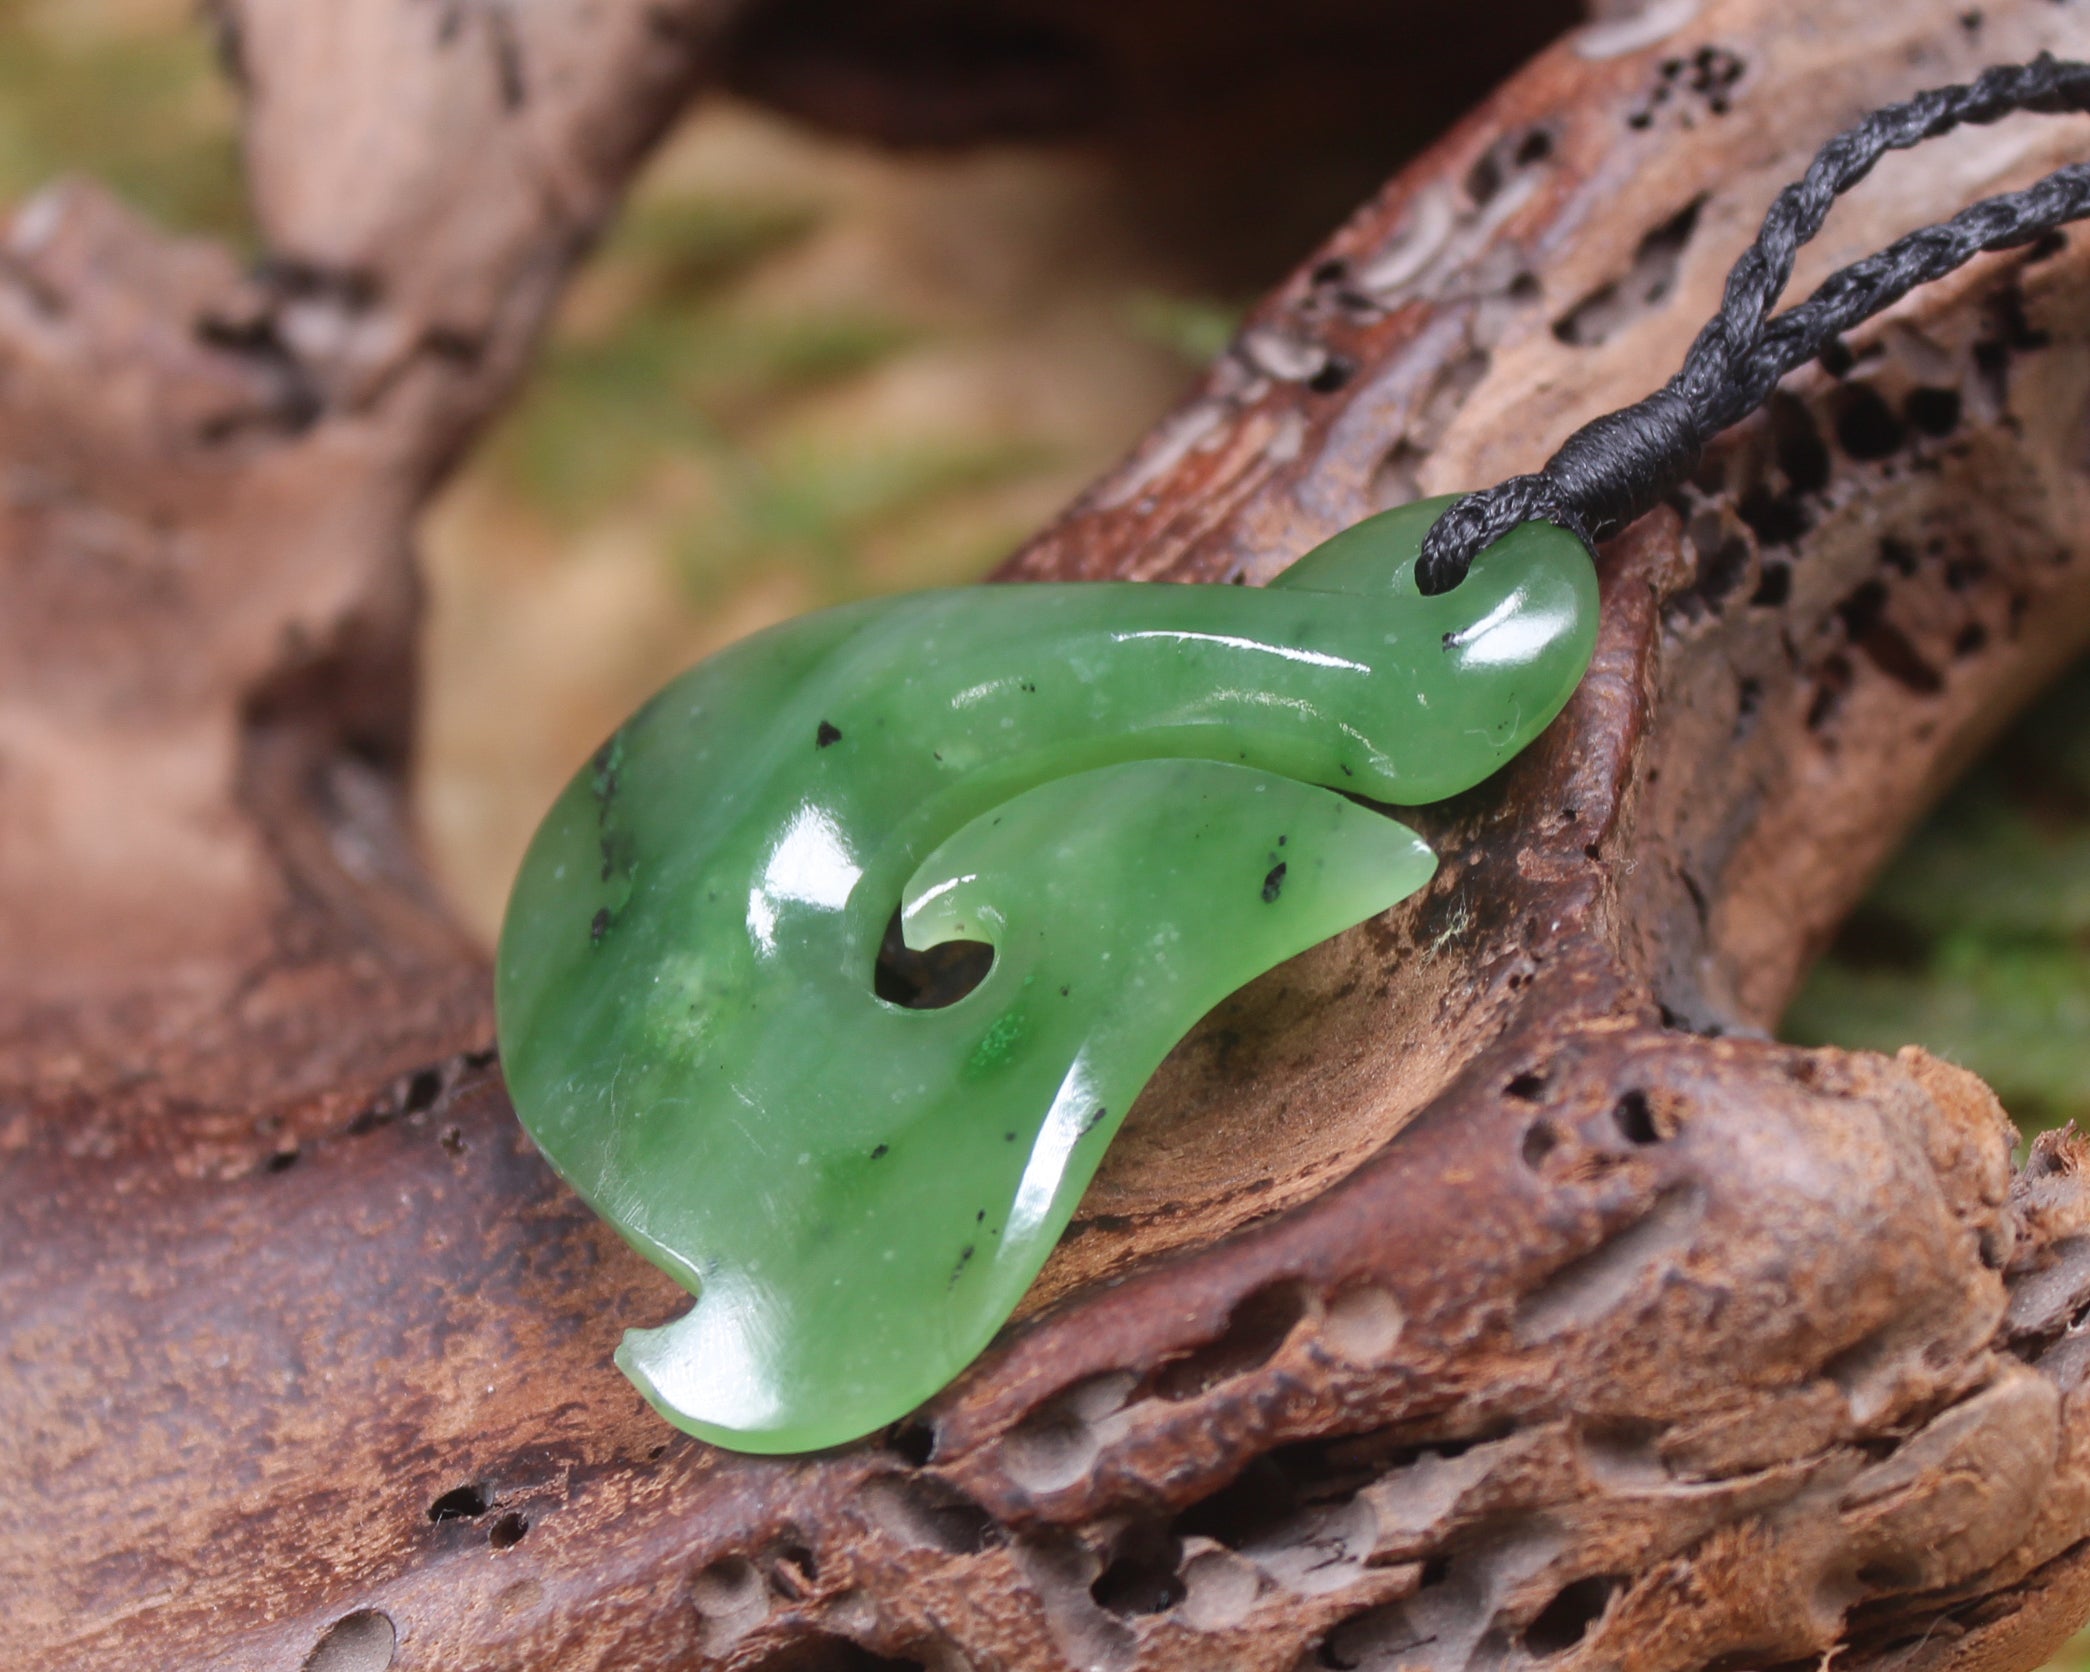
{"x": 691, "y": 245}
{"x": 2074, "y": 1658}
{"x": 142, "y": 110}
{"x": 1194, "y": 329}
{"x": 602, "y": 416}
{"x": 813, "y": 508}
{"x": 1976, "y": 941}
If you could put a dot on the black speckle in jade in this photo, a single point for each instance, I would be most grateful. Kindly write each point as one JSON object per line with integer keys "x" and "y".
{"x": 613, "y": 839}
{"x": 603, "y": 767}
{"x": 829, "y": 733}
{"x": 1273, "y": 884}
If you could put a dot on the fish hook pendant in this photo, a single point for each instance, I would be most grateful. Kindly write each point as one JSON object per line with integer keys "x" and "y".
{"x": 1139, "y": 795}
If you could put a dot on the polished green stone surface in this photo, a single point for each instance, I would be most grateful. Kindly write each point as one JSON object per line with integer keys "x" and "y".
{"x": 1128, "y": 790}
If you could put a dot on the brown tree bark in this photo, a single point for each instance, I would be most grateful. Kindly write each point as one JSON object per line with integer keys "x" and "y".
{"x": 1483, "y": 1289}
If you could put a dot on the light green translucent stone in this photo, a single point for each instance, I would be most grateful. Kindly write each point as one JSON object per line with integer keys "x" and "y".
{"x": 1126, "y": 789}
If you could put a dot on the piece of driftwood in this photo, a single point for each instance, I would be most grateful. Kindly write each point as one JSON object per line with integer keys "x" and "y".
{"x": 1482, "y": 1290}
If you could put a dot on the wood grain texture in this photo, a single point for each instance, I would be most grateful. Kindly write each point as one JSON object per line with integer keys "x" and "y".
{"x": 1484, "y": 1289}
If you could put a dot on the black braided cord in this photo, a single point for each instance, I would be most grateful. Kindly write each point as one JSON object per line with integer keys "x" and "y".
{"x": 1618, "y": 467}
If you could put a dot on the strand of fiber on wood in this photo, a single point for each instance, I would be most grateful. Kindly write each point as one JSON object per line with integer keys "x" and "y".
{"x": 1619, "y": 466}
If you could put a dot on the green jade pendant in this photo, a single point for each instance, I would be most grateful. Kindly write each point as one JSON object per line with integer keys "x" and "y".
{"x": 1138, "y": 794}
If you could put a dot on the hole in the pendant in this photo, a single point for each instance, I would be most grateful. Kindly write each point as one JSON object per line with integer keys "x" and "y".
{"x": 931, "y": 979}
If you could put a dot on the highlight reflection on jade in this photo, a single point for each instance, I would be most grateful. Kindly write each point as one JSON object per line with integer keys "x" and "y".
{"x": 1139, "y": 795}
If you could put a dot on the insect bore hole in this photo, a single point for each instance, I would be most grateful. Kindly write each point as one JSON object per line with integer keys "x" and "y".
{"x": 461, "y": 1503}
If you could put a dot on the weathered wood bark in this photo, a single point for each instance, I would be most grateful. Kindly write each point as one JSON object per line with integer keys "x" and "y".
{"x": 1483, "y": 1288}
{"x": 206, "y": 677}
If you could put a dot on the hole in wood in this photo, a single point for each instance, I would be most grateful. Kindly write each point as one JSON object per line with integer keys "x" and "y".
{"x": 1637, "y": 1121}
{"x": 1334, "y": 373}
{"x": 1607, "y": 1276}
{"x": 1643, "y": 288}
{"x": 1866, "y": 427}
{"x": 1566, "y": 1620}
{"x": 931, "y": 1514}
{"x": 913, "y": 1440}
{"x": 793, "y": 1568}
{"x": 1250, "y": 1507}
{"x": 1142, "y": 1576}
{"x": 1897, "y": 1574}
{"x": 826, "y": 1653}
{"x": 1255, "y": 1330}
{"x": 1363, "y": 1323}
{"x": 360, "y": 1642}
{"x": 1050, "y": 1449}
{"x": 1933, "y": 411}
{"x": 507, "y": 1532}
{"x": 461, "y": 1503}
{"x": 1774, "y": 587}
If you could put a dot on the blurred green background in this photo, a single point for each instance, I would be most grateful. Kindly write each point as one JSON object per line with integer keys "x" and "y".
{"x": 802, "y": 371}
{"x": 1976, "y": 940}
